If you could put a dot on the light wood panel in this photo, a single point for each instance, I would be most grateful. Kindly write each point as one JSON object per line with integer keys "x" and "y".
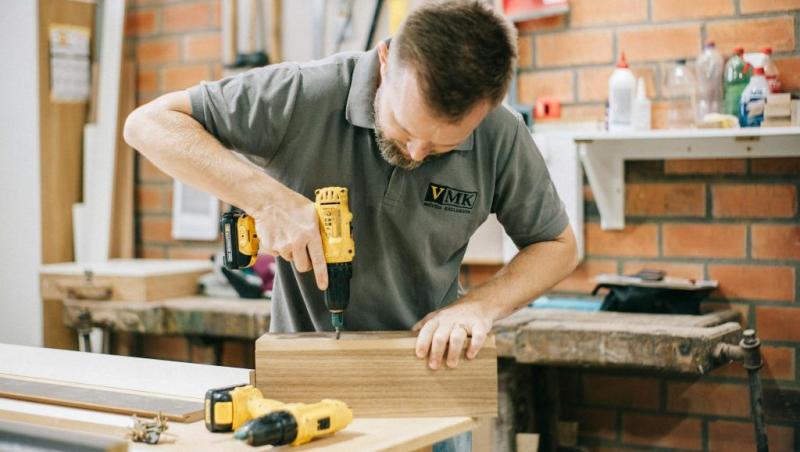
{"x": 21, "y": 436}
{"x": 122, "y": 233}
{"x": 376, "y": 373}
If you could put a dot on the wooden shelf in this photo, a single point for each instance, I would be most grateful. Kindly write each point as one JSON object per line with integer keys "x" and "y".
{"x": 604, "y": 154}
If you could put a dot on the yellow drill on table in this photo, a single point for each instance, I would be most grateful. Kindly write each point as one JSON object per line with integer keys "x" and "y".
{"x": 335, "y": 223}
{"x": 259, "y": 421}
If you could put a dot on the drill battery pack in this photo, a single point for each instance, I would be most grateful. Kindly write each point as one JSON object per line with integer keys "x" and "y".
{"x": 239, "y": 239}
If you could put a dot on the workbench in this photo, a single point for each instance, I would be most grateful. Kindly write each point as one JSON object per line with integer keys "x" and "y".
{"x": 186, "y": 381}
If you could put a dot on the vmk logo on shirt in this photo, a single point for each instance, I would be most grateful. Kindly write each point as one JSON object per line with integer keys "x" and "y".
{"x": 451, "y": 199}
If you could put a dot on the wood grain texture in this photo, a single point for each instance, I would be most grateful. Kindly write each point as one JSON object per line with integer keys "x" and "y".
{"x": 122, "y": 232}
{"x": 376, "y": 373}
{"x": 22, "y": 436}
{"x": 108, "y": 400}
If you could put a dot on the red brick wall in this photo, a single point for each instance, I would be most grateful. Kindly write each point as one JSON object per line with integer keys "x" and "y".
{"x": 735, "y": 221}
{"x": 175, "y": 44}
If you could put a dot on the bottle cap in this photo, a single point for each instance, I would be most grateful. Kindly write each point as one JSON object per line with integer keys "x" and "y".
{"x": 758, "y": 71}
{"x": 622, "y": 63}
{"x": 738, "y": 51}
{"x": 767, "y": 50}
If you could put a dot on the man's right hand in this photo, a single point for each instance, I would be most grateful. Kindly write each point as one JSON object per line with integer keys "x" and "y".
{"x": 288, "y": 227}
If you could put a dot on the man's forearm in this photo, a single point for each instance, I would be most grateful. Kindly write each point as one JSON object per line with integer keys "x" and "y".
{"x": 534, "y": 270}
{"x": 182, "y": 148}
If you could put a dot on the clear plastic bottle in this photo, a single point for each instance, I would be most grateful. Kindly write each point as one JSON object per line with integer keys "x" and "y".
{"x": 737, "y": 75}
{"x": 621, "y": 90}
{"x": 680, "y": 89}
{"x": 754, "y": 97}
{"x": 709, "y": 81}
{"x": 771, "y": 71}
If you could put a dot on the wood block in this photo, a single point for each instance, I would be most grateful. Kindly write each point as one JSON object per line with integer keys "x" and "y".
{"x": 376, "y": 373}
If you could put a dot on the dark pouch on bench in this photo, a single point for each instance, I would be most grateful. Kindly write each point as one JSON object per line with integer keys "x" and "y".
{"x": 651, "y": 300}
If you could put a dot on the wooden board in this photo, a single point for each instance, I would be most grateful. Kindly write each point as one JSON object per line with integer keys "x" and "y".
{"x": 122, "y": 232}
{"x": 22, "y": 436}
{"x": 376, "y": 373}
{"x": 108, "y": 400}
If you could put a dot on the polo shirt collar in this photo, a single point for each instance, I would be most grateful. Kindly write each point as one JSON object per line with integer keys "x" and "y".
{"x": 361, "y": 97}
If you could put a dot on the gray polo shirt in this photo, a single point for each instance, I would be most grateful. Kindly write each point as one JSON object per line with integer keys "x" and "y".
{"x": 310, "y": 125}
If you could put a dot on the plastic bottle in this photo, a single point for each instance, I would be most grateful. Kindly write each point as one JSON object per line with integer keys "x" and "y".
{"x": 737, "y": 75}
{"x": 680, "y": 89}
{"x": 771, "y": 71}
{"x": 709, "y": 81}
{"x": 641, "y": 116}
{"x": 621, "y": 86}
{"x": 754, "y": 97}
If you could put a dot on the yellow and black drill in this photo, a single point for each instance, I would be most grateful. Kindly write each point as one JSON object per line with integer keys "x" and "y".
{"x": 259, "y": 421}
{"x": 335, "y": 223}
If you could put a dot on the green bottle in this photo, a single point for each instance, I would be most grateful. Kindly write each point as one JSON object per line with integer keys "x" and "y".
{"x": 737, "y": 75}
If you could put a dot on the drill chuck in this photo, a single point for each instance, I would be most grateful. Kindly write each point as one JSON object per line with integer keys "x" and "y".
{"x": 276, "y": 429}
{"x": 337, "y": 295}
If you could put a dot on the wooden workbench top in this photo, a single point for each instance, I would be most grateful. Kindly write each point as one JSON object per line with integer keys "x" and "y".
{"x": 188, "y": 381}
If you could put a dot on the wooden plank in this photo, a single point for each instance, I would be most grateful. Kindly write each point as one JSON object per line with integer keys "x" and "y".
{"x": 21, "y": 436}
{"x": 667, "y": 348}
{"x": 67, "y": 424}
{"x": 108, "y": 400}
{"x": 376, "y": 373}
{"x": 122, "y": 232}
{"x": 61, "y": 150}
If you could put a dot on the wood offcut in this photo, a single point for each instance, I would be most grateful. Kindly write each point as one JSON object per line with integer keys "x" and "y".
{"x": 376, "y": 373}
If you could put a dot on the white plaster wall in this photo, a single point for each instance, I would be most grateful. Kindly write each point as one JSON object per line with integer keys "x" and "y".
{"x": 20, "y": 226}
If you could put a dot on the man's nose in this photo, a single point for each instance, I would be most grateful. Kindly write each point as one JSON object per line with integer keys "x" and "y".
{"x": 418, "y": 150}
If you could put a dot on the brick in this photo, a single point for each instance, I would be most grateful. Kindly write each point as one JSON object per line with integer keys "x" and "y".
{"x": 141, "y": 22}
{"x": 789, "y": 73}
{"x": 155, "y": 230}
{"x": 667, "y": 10}
{"x": 723, "y": 399}
{"x": 756, "y": 282}
{"x": 754, "y": 200}
{"x": 606, "y": 12}
{"x": 779, "y": 364}
{"x": 525, "y": 51}
{"x": 532, "y": 85}
{"x": 582, "y": 279}
{"x": 147, "y": 80}
{"x": 593, "y": 82}
{"x": 705, "y": 166}
{"x": 182, "y": 77}
{"x": 542, "y": 24}
{"x": 216, "y": 13}
{"x": 574, "y": 47}
{"x": 192, "y": 252}
{"x": 775, "y": 241}
{"x": 661, "y": 431}
{"x": 597, "y": 423}
{"x": 479, "y": 274}
{"x": 150, "y": 173}
{"x": 162, "y": 50}
{"x": 675, "y": 269}
{"x": 676, "y": 199}
{"x": 730, "y": 436}
{"x": 151, "y": 252}
{"x": 636, "y": 240}
{"x": 661, "y": 42}
{"x": 150, "y": 199}
{"x": 778, "y": 323}
{"x": 202, "y": 47}
{"x": 776, "y": 166}
{"x": 753, "y": 34}
{"x": 194, "y": 16}
{"x": 619, "y": 391}
{"x": 581, "y": 113}
{"x": 704, "y": 240}
{"x": 762, "y": 6}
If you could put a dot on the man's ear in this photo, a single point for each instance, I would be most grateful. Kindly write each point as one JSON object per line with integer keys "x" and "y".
{"x": 383, "y": 58}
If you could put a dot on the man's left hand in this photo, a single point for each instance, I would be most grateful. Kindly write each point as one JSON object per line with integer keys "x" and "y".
{"x": 448, "y": 329}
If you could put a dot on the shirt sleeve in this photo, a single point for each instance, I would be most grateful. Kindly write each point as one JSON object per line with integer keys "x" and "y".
{"x": 250, "y": 112}
{"x": 525, "y": 199}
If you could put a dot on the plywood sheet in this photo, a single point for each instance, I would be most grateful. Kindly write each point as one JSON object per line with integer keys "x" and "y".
{"x": 376, "y": 373}
{"x": 22, "y": 436}
{"x": 108, "y": 400}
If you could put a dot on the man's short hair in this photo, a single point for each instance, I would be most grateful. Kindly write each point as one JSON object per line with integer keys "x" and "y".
{"x": 463, "y": 52}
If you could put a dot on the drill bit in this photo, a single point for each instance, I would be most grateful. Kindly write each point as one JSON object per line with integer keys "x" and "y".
{"x": 338, "y": 333}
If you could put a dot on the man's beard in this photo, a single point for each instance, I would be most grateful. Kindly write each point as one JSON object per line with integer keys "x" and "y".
{"x": 391, "y": 151}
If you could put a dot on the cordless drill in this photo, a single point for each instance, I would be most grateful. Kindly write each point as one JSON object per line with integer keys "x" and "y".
{"x": 335, "y": 223}
{"x": 259, "y": 421}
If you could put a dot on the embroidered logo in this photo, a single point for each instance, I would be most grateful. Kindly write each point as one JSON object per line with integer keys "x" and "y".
{"x": 450, "y": 199}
